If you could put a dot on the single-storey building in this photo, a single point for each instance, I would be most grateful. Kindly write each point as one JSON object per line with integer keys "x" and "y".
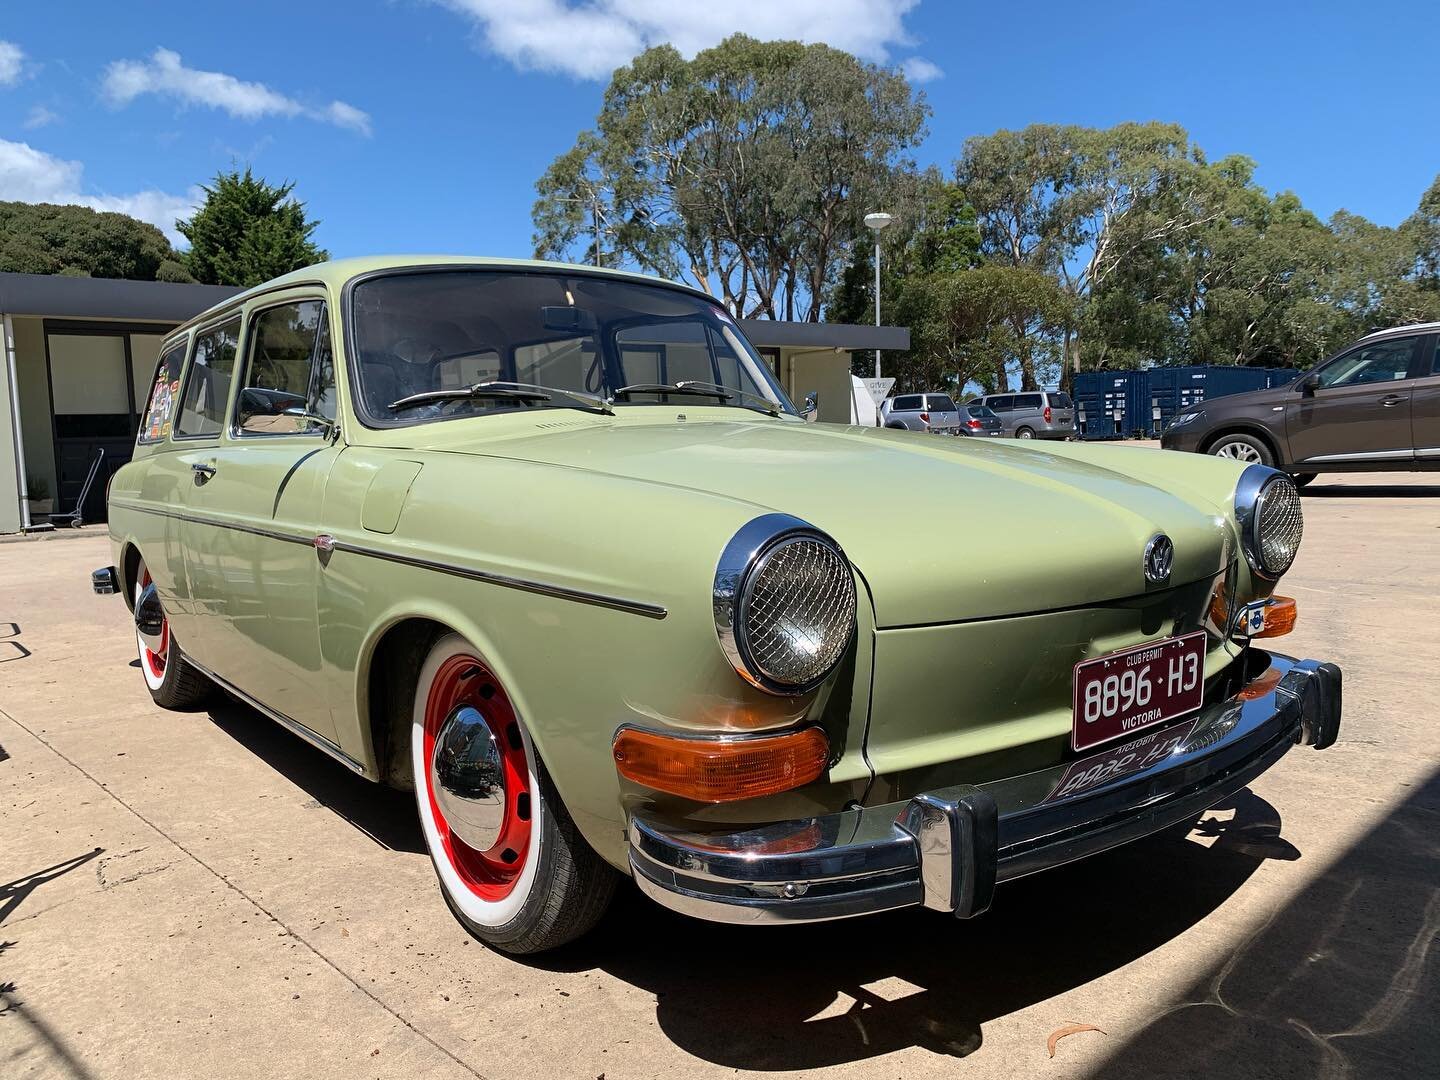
{"x": 79, "y": 354}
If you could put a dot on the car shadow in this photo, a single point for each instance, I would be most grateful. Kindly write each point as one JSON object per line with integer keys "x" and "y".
{"x": 1343, "y": 981}
{"x": 1319, "y": 489}
{"x": 383, "y": 814}
{"x": 802, "y": 997}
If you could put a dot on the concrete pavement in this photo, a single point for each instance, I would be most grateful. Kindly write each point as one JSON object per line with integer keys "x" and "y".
{"x": 202, "y": 894}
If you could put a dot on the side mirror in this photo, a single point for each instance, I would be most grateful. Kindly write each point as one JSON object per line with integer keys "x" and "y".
{"x": 1306, "y": 384}
{"x": 812, "y": 406}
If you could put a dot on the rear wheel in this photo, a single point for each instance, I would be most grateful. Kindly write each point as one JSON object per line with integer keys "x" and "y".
{"x": 1246, "y": 448}
{"x": 1024, "y": 433}
{"x": 512, "y": 866}
{"x": 172, "y": 682}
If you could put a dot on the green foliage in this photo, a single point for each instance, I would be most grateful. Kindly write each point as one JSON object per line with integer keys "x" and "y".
{"x": 746, "y": 170}
{"x": 79, "y": 242}
{"x": 248, "y": 232}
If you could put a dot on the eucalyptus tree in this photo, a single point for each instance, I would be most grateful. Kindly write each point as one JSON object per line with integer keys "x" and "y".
{"x": 745, "y": 171}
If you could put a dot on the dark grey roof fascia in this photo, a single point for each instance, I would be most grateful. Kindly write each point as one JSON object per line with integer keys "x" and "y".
{"x": 107, "y": 298}
{"x": 768, "y": 333}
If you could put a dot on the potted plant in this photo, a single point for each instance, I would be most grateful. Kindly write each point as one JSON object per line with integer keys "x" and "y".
{"x": 41, "y": 504}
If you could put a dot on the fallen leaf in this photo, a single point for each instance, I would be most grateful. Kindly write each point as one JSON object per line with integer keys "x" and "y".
{"x": 1068, "y": 1029}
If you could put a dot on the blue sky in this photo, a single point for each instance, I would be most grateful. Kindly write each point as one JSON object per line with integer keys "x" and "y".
{"x": 421, "y": 125}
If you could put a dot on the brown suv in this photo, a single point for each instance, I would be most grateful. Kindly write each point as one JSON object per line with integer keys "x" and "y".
{"x": 1374, "y": 406}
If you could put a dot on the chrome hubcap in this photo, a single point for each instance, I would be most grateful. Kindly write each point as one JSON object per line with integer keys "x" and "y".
{"x": 1239, "y": 451}
{"x": 150, "y": 619}
{"x": 468, "y": 778}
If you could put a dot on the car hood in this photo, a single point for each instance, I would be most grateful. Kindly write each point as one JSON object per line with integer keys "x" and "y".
{"x": 940, "y": 529}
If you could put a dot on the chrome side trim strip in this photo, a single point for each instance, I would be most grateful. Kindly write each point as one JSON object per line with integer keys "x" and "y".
{"x": 1372, "y": 455}
{"x": 293, "y": 726}
{"x": 561, "y": 592}
{"x": 1428, "y": 452}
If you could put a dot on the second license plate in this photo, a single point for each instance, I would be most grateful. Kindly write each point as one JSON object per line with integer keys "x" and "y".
{"x": 1124, "y": 692}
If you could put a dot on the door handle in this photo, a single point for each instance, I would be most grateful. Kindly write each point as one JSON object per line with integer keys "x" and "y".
{"x": 203, "y": 472}
{"x": 1391, "y": 401}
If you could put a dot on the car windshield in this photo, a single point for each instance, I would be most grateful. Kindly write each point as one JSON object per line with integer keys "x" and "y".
{"x": 450, "y": 330}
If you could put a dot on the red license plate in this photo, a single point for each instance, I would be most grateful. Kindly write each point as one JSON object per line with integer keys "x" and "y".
{"x": 1127, "y": 691}
{"x": 1129, "y": 757}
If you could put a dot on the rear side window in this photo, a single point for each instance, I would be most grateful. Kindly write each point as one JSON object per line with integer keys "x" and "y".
{"x": 290, "y": 368}
{"x": 1027, "y": 401}
{"x": 906, "y": 404}
{"x": 941, "y": 402}
{"x": 1001, "y": 403}
{"x": 1435, "y": 363}
{"x": 1061, "y": 401}
{"x": 207, "y": 386}
{"x": 163, "y": 391}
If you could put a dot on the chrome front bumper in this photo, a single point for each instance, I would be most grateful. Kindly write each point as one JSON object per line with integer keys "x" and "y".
{"x": 947, "y": 849}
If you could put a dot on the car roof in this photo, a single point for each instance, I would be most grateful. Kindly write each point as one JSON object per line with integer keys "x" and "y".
{"x": 337, "y": 272}
{"x": 1409, "y": 328}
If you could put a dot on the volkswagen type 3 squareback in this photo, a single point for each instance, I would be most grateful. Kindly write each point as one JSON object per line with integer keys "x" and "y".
{"x": 550, "y": 546}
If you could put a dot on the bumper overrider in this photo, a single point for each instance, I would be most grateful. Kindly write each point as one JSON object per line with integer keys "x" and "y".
{"x": 947, "y": 849}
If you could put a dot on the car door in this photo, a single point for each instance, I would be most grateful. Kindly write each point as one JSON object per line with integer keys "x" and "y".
{"x": 1425, "y": 403}
{"x": 252, "y": 561}
{"x": 1001, "y": 404}
{"x": 1357, "y": 407}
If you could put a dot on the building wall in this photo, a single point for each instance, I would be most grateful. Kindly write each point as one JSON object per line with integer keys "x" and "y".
{"x": 38, "y": 438}
{"x": 9, "y": 476}
{"x": 823, "y": 371}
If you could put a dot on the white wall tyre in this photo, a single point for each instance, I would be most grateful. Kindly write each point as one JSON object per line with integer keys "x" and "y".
{"x": 172, "y": 682}
{"x": 526, "y": 881}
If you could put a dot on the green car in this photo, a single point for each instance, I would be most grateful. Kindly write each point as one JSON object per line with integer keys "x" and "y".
{"x": 550, "y": 546}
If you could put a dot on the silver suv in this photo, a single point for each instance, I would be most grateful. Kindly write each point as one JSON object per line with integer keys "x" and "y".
{"x": 1039, "y": 414}
{"x": 921, "y": 412}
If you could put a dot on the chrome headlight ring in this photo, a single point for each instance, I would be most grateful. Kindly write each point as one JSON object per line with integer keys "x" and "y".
{"x": 784, "y": 604}
{"x": 1271, "y": 523}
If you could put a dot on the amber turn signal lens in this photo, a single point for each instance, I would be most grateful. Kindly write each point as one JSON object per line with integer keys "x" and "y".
{"x": 1279, "y": 617}
{"x": 715, "y": 770}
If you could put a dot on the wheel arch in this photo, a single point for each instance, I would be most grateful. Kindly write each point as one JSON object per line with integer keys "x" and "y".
{"x": 129, "y": 571}
{"x": 1254, "y": 430}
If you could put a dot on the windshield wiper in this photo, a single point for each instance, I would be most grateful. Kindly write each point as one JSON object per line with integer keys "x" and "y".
{"x": 671, "y": 388}
{"x": 698, "y": 389}
{"x": 766, "y": 405}
{"x": 528, "y": 393}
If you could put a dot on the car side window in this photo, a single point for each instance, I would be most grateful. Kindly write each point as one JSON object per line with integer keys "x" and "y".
{"x": 906, "y": 404}
{"x": 155, "y": 426}
{"x": 999, "y": 404}
{"x": 290, "y": 367}
{"x": 1435, "y": 361}
{"x": 1382, "y": 362}
{"x": 941, "y": 402}
{"x": 1027, "y": 401}
{"x": 207, "y": 386}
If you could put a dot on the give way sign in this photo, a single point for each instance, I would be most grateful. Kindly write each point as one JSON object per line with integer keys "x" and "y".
{"x": 879, "y": 389}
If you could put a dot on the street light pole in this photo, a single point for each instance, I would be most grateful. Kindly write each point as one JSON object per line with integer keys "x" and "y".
{"x": 875, "y": 222}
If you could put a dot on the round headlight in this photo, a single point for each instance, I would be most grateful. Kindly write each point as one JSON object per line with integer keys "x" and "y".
{"x": 784, "y": 604}
{"x": 1267, "y": 508}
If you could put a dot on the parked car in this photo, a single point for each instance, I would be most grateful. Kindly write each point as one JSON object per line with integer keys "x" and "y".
{"x": 1375, "y": 406}
{"x": 920, "y": 412}
{"x": 550, "y": 546}
{"x": 978, "y": 420}
{"x": 1042, "y": 414}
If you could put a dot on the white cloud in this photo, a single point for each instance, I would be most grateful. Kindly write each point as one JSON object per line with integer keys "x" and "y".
{"x": 38, "y": 117}
{"x": 919, "y": 70}
{"x": 166, "y": 74}
{"x": 33, "y": 176}
{"x": 590, "y": 38}
{"x": 12, "y": 63}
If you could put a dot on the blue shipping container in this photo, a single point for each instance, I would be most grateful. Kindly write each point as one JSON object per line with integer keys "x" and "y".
{"x": 1118, "y": 404}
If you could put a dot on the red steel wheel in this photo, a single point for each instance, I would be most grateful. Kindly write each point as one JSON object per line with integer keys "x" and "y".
{"x": 152, "y": 655}
{"x": 464, "y": 680}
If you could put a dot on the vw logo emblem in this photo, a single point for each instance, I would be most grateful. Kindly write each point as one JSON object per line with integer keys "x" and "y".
{"x": 1159, "y": 557}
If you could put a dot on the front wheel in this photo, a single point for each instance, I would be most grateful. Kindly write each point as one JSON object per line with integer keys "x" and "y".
{"x": 1244, "y": 448}
{"x": 171, "y": 680}
{"x": 513, "y": 867}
